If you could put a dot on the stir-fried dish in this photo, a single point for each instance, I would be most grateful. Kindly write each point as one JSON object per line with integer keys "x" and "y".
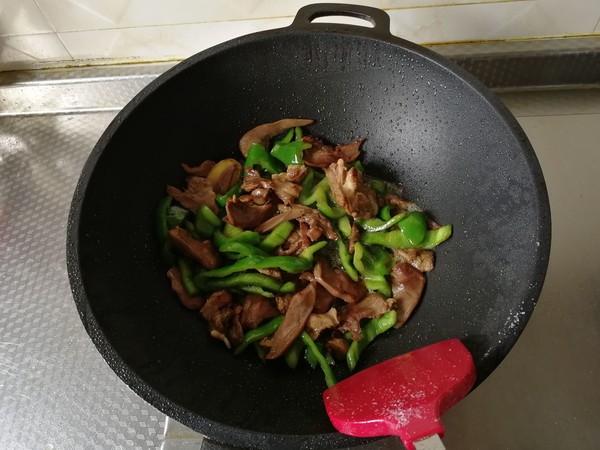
{"x": 294, "y": 252}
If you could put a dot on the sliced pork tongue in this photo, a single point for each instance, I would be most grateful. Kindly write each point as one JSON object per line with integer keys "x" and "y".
{"x": 407, "y": 288}
{"x": 245, "y": 212}
{"x": 338, "y": 283}
{"x": 202, "y": 251}
{"x": 323, "y": 155}
{"x": 370, "y": 306}
{"x": 350, "y": 192}
{"x": 187, "y": 300}
{"x": 298, "y": 311}
{"x": 198, "y": 191}
{"x": 223, "y": 317}
{"x": 255, "y": 310}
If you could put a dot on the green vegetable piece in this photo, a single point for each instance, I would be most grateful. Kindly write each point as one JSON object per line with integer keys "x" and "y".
{"x": 162, "y": 227}
{"x": 246, "y": 237}
{"x": 291, "y": 152}
{"x": 287, "y": 138}
{"x": 289, "y": 287}
{"x": 292, "y": 356}
{"x": 231, "y": 230}
{"x": 277, "y": 236}
{"x": 319, "y": 197}
{"x": 175, "y": 216}
{"x": 187, "y": 276}
{"x": 258, "y": 156}
{"x": 257, "y": 290}
{"x": 259, "y": 333}
{"x": 344, "y": 226}
{"x": 374, "y": 266}
{"x": 309, "y": 252}
{"x": 379, "y": 187}
{"x": 375, "y": 224}
{"x": 242, "y": 280}
{"x": 330, "y": 379}
{"x": 358, "y": 166}
{"x": 414, "y": 227}
{"x": 369, "y": 331}
{"x": 205, "y": 223}
{"x": 346, "y": 260}
{"x": 299, "y": 133}
{"x": 433, "y": 238}
{"x": 235, "y": 190}
{"x": 396, "y": 238}
{"x": 209, "y": 216}
{"x": 290, "y": 264}
{"x": 385, "y": 213}
{"x": 237, "y": 250}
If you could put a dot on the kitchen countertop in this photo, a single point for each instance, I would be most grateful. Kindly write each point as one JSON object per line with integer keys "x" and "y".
{"x": 57, "y": 392}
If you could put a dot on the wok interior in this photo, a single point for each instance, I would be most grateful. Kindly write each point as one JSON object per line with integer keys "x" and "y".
{"x": 425, "y": 127}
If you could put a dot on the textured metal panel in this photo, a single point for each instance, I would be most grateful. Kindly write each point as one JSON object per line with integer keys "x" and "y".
{"x": 56, "y": 391}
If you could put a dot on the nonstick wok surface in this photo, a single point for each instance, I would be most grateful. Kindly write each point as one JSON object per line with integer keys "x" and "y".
{"x": 428, "y": 125}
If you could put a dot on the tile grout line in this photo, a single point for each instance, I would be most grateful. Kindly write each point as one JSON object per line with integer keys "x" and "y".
{"x": 55, "y": 32}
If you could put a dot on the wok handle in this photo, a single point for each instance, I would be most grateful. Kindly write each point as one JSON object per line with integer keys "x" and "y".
{"x": 377, "y": 17}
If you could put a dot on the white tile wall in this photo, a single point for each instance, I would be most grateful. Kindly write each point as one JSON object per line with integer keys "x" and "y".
{"x": 39, "y": 33}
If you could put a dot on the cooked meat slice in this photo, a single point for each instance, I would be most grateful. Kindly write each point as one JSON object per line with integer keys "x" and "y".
{"x": 255, "y": 309}
{"x": 287, "y": 191}
{"x": 323, "y": 155}
{"x": 199, "y": 191}
{"x": 261, "y": 195}
{"x": 202, "y": 251}
{"x": 318, "y": 224}
{"x": 187, "y": 300}
{"x": 218, "y": 311}
{"x": 407, "y": 287}
{"x": 317, "y": 323}
{"x": 400, "y": 203}
{"x": 296, "y": 242}
{"x": 262, "y": 134}
{"x": 338, "y": 347}
{"x": 338, "y": 283}
{"x": 354, "y": 237}
{"x": 349, "y": 191}
{"x": 200, "y": 171}
{"x": 235, "y": 332}
{"x": 325, "y": 300}
{"x": 295, "y": 173}
{"x": 252, "y": 180}
{"x": 422, "y": 260}
{"x": 283, "y": 302}
{"x": 294, "y": 321}
{"x": 245, "y": 213}
{"x": 224, "y": 175}
{"x": 371, "y": 306}
{"x": 285, "y": 214}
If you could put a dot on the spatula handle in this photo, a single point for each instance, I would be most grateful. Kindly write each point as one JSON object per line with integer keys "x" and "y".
{"x": 431, "y": 443}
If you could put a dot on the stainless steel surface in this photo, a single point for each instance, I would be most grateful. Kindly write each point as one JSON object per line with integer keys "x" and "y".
{"x": 57, "y": 392}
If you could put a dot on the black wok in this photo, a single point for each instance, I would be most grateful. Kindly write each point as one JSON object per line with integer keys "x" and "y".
{"x": 428, "y": 124}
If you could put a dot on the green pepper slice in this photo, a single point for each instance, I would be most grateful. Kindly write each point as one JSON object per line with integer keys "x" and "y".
{"x": 369, "y": 331}
{"x": 259, "y": 333}
{"x": 258, "y": 156}
{"x": 290, "y": 264}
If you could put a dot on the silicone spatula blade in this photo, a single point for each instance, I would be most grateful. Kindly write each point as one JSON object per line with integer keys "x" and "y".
{"x": 404, "y": 396}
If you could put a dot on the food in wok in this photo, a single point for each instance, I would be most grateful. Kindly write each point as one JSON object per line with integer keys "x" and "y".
{"x": 295, "y": 250}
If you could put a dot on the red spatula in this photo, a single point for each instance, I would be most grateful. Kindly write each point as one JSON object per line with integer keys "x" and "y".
{"x": 404, "y": 396}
